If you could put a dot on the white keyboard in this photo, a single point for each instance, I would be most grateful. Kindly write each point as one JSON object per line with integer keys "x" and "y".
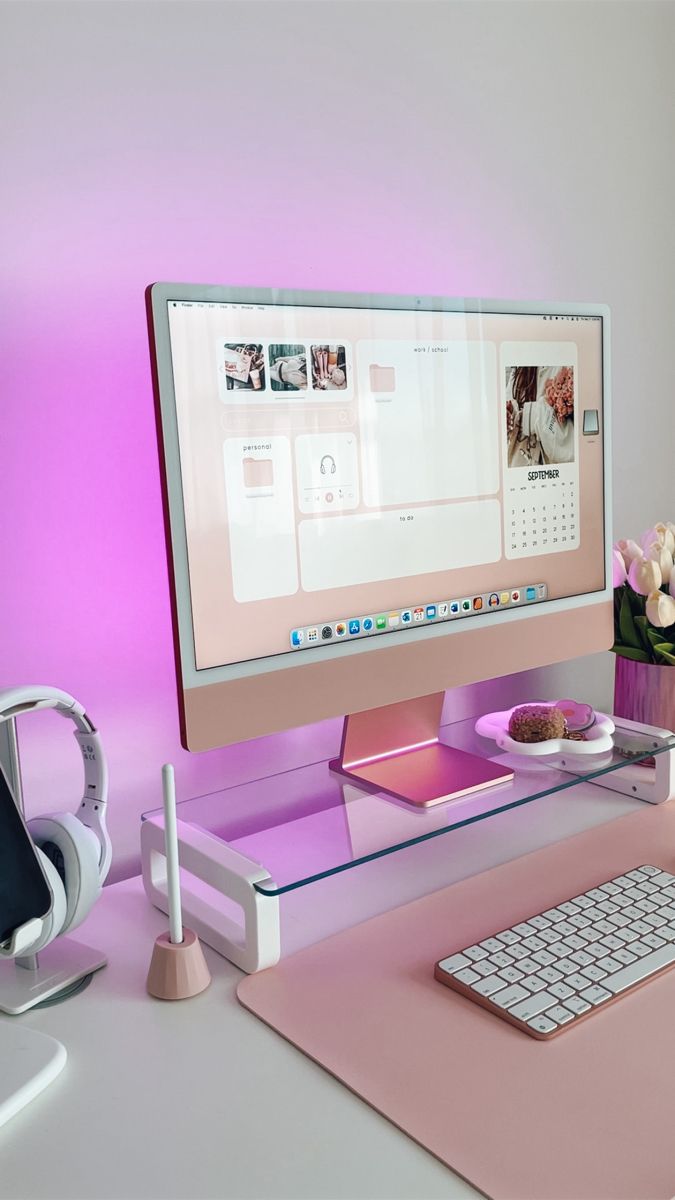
{"x": 558, "y": 967}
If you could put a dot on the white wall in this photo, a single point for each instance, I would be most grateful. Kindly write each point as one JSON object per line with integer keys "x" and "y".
{"x": 509, "y": 149}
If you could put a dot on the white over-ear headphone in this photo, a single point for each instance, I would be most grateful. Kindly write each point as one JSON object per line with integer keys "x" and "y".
{"x": 74, "y": 848}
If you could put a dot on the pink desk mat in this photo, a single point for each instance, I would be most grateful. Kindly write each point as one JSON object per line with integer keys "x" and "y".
{"x": 587, "y": 1116}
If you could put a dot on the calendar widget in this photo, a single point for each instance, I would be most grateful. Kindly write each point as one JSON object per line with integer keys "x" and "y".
{"x": 541, "y": 471}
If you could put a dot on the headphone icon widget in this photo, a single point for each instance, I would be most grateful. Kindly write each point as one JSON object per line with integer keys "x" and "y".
{"x": 328, "y": 470}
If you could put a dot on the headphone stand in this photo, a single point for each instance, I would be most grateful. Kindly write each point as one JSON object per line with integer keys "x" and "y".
{"x": 25, "y": 982}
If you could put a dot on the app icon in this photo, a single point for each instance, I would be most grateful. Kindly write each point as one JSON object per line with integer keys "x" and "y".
{"x": 443, "y": 610}
{"x": 367, "y": 624}
{"x": 340, "y": 629}
{"x": 542, "y": 591}
{"x": 381, "y": 622}
{"x": 515, "y": 596}
{"x": 477, "y": 603}
{"x": 431, "y": 612}
{"x": 354, "y": 626}
{"x": 466, "y": 605}
{"x": 494, "y": 600}
{"x": 406, "y": 616}
{"x": 531, "y": 593}
{"x": 313, "y": 634}
{"x": 454, "y": 606}
{"x": 393, "y": 620}
{"x": 504, "y": 597}
{"x": 297, "y": 637}
{"x": 418, "y": 614}
{"x": 327, "y": 632}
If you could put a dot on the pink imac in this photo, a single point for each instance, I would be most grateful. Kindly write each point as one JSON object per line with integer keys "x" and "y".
{"x": 370, "y": 499}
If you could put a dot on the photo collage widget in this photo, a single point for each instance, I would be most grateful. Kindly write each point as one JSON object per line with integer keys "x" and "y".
{"x": 282, "y": 367}
{"x": 539, "y": 415}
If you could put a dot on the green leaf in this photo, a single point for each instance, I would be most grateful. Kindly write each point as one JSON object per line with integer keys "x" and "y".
{"x": 645, "y": 632}
{"x": 631, "y": 652}
{"x": 665, "y": 653}
{"x": 627, "y": 628}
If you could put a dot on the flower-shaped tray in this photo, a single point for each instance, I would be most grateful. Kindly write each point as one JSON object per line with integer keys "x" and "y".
{"x": 598, "y": 737}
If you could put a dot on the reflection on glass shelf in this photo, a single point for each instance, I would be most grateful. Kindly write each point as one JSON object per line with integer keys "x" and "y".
{"x": 307, "y": 824}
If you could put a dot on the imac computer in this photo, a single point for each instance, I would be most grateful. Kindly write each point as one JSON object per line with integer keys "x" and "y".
{"x": 370, "y": 499}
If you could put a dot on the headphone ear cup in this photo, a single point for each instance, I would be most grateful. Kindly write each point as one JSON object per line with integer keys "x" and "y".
{"x": 53, "y": 923}
{"x": 73, "y": 852}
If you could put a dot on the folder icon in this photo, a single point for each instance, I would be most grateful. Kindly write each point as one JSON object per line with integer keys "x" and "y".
{"x": 258, "y": 472}
{"x": 382, "y": 379}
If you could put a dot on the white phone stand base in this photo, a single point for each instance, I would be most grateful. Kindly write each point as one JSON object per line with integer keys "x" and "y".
{"x": 24, "y": 983}
{"x": 30, "y": 1061}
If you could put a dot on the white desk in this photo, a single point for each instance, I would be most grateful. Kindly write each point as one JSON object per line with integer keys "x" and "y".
{"x": 194, "y": 1099}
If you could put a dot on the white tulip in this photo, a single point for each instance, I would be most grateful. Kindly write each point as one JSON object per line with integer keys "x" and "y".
{"x": 628, "y": 550}
{"x": 619, "y": 575}
{"x": 666, "y": 536}
{"x": 644, "y": 576}
{"x": 660, "y": 609}
{"x": 661, "y": 555}
{"x": 671, "y": 585}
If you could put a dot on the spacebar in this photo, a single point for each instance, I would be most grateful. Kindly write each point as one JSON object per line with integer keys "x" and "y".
{"x": 640, "y": 969}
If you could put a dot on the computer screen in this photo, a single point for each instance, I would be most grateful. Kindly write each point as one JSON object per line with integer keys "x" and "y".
{"x": 346, "y": 475}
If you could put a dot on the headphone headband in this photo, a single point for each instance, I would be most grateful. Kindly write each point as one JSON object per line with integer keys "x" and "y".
{"x": 14, "y": 702}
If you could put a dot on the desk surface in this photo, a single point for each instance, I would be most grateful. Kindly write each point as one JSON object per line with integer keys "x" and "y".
{"x": 193, "y": 1099}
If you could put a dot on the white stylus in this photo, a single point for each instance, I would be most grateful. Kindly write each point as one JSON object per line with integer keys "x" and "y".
{"x": 171, "y": 849}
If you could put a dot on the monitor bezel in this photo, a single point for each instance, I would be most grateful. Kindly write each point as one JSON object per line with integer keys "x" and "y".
{"x": 159, "y": 295}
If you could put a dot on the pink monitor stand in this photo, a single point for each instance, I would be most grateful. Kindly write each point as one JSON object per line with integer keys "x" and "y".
{"x": 396, "y": 749}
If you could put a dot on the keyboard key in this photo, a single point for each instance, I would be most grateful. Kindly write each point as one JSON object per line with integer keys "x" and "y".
{"x": 454, "y": 963}
{"x": 485, "y": 987}
{"x": 667, "y": 932}
{"x": 625, "y": 956}
{"x": 631, "y": 911}
{"x": 647, "y": 906}
{"x": 550, "y": 974}
{"x": 581, "y": 902}
{"x": 618, "y": 920}
{"x": 640, "y": 927}
{"x": 647, "y": 887}
{"x": 574, "y": 942}
{"x": 663, "y": 879}
{"x": 641, "y": 969}
{"x": 542, "y": 1024}
{"x": 509, "y": 996}
{"x": 578, "y": 982}
{"x": 653, "y": 940}
{"x": 524, "y": 930}
{"x": 608, "y": 906}
{"x": 577, "y": 1005}
{"x": 611, "y": 889}
{"x": 627, "y": 936}
{"x": 559, "y": 1014}
{"x": 604, "y": 926}
{"x": 528, "y": 966}
{"x": 596, "y": 895}
{"x": 649, "y": 870}
{"x": 655, "y": 920}
{"x": 485, "y": 967}
{"x": 566, "y": 929}
{"x": 554, "y": 915}
{"x": 640, "y": 949}
{"x": 491, "y": 944}
{"x": 637, "y": 875}
{"x": 501, "y": 958}
{"x": 597, "y": 995}
{"x": 609, "y": 964}
{"x": 551, "y": 935}
{"x": 467, "y": 976}
{"x": 539, "y": 922}
{"x": 534, "y": 943}
{"x": 558, "y": 950}
{"x": 566, "y": 966}
{"x": 508, "y": 937}
{"x": 594, "y": 972}
{"x": 517, "y": 951}
{"x": 475, "y": 953}
{"x": 562, "y": 990}
{"x": 581, "y": 958}
{"x": 544, "y": 958}
{"x": 612, "y": 942}
{"x": 534, "y": 984}
{"x": 532, "y": 1006}
{"x": 510, "y": 975}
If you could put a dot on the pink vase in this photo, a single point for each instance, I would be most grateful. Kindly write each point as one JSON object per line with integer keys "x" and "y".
{"x": 644, "y": 692}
